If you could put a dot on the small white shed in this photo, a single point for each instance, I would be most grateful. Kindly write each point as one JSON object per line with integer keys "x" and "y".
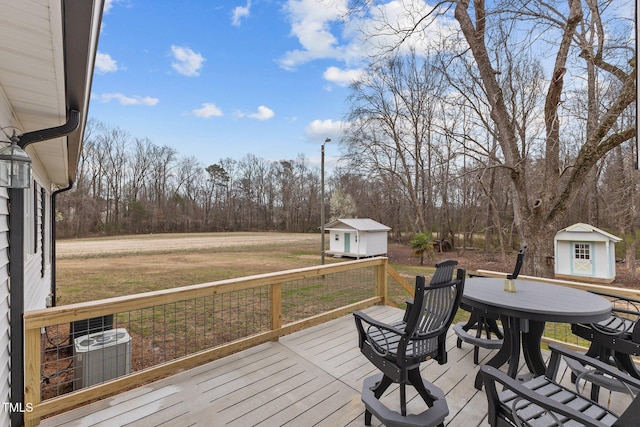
{"x": 358, "y": 237}
{"x": 585, "y": 252}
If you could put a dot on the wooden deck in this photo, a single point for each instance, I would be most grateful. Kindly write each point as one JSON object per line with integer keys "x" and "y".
{"x": 312, "y": 377}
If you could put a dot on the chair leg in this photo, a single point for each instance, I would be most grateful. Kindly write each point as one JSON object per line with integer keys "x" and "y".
{"x": 480, "y": 326}
{"x": 367, "y": 417}
{"x": 378, "y": 389}
{"x": 403, "y": 399}
{"x": 381, "y": 386}
{"x": 625, "y": 363}
{"x": 492, "y": 324}
{"x": 415, "y": 379}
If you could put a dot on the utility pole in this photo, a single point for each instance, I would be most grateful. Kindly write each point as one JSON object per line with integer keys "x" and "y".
{"x": 322, "y": 201}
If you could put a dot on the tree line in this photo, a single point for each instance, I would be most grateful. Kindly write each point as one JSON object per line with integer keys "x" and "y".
{"x": 129, "y": 185}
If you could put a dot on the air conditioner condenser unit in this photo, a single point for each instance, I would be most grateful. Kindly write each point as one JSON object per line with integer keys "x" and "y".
{"x": 101, "y": 356}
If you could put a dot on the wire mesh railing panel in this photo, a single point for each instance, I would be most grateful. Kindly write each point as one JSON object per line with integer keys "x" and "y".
{"x": 166, "y": 328}
{"x": 308, "y": 297}
{"x": 562, "y": 332}
{"x": 92, "y": 351}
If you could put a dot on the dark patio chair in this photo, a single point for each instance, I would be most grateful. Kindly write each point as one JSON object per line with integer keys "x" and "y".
{"x": 482, "y": 330}
{"x": 616, "y": 339}
{"x": 397, "y": 349}
{"x": 541, "y": 401}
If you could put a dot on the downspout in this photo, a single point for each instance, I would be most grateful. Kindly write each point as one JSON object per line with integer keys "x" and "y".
{"x": 53, "y": 241}
{"x": 16, "y": 267}
{"x": 56, "y": 132}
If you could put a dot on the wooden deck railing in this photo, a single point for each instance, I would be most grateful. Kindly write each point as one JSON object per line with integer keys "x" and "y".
{"x": 219, "y": 318}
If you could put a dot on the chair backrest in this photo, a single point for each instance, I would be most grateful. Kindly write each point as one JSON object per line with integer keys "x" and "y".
{"x": 435, "y": 305}
{"x": 519, "y": 261}
{"x": 444, "y": 271}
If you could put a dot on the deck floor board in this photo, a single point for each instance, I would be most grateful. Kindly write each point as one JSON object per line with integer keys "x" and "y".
{"x": 312, "y": 377}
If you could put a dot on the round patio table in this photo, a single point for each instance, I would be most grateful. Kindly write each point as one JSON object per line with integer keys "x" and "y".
{"x": 524, "y": 313}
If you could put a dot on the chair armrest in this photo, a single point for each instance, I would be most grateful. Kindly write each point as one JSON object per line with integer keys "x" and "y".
{"x": 635, "y": 303}
{"x": 626, "y": 319}
{"x": 557, "y": 351}
{"x": 362, "y": 317}
{"x": 475, "y": 275}
{"x": 491, "y": 376}
{"x": 409, "y": 303}
{"x": 615, "y": 296}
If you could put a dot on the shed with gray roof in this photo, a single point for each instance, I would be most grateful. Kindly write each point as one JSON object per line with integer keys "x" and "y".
{"x": 357, "y": 238}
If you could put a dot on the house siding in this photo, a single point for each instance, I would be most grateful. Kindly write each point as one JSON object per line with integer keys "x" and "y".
{"x": 37, "y": 277}
{"x": 37, "y": 274}
{"x": 5, "y": 342}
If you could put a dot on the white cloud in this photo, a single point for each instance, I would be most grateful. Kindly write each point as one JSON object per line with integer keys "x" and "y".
{"x": 319, "y": 130}
{"x": 263, "y": 113}
{"x": 430, "y": 26}
{"x": 207, "y": 110}
{"x": 108, "y": 4}
{"x": 311, "y": 25}
{"x": 186, "y": 61}
{"x": 105, "y": 64}
{"x": 324, "y": 33}
{"x": 126, "y": 100}
{"x": 239, "y": 13}
{"x": 342, "y": 77}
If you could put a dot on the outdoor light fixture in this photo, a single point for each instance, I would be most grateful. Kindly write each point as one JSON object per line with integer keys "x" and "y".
{"x": 15, "y": 165}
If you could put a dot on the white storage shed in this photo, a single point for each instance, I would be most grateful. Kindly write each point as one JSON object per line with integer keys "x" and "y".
{"x": 357, "y": 237}
{"x": 585, "y": 252}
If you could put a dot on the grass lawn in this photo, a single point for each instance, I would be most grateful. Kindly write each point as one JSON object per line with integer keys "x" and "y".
{"x": 113, "y": 272}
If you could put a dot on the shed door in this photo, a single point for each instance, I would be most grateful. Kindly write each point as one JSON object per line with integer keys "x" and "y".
{"x": 347, "y": 242}
{"x": 582, "y": 262}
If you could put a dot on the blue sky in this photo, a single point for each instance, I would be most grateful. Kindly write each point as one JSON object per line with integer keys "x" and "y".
{"x": 226, "y": 78}
{"x": 221, "y": 78}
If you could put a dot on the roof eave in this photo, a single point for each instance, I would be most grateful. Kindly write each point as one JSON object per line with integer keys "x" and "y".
{"x": 82, "y": 20}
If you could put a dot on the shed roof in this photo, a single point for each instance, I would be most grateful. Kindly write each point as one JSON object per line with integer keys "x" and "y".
{"x": 587, "y": 228}
{"x": 361, "y": 224}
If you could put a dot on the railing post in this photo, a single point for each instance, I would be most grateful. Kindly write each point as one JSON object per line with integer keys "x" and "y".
{"x": 381, "y": 281}
{"x": 32, "y": 374}
{"x": 276, "y": 306}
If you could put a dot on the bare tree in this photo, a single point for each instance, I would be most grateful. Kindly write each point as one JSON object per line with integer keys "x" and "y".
{"x": 585, "y": 38}
{"x": 540, "y": 216}
{"x": 393, "y": 111}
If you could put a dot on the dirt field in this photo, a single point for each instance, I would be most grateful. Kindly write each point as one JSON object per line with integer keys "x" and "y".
{"x": 154, "y": 243}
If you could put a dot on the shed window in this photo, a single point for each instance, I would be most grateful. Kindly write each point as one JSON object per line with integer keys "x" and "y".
{"x": 582, "y": 251}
